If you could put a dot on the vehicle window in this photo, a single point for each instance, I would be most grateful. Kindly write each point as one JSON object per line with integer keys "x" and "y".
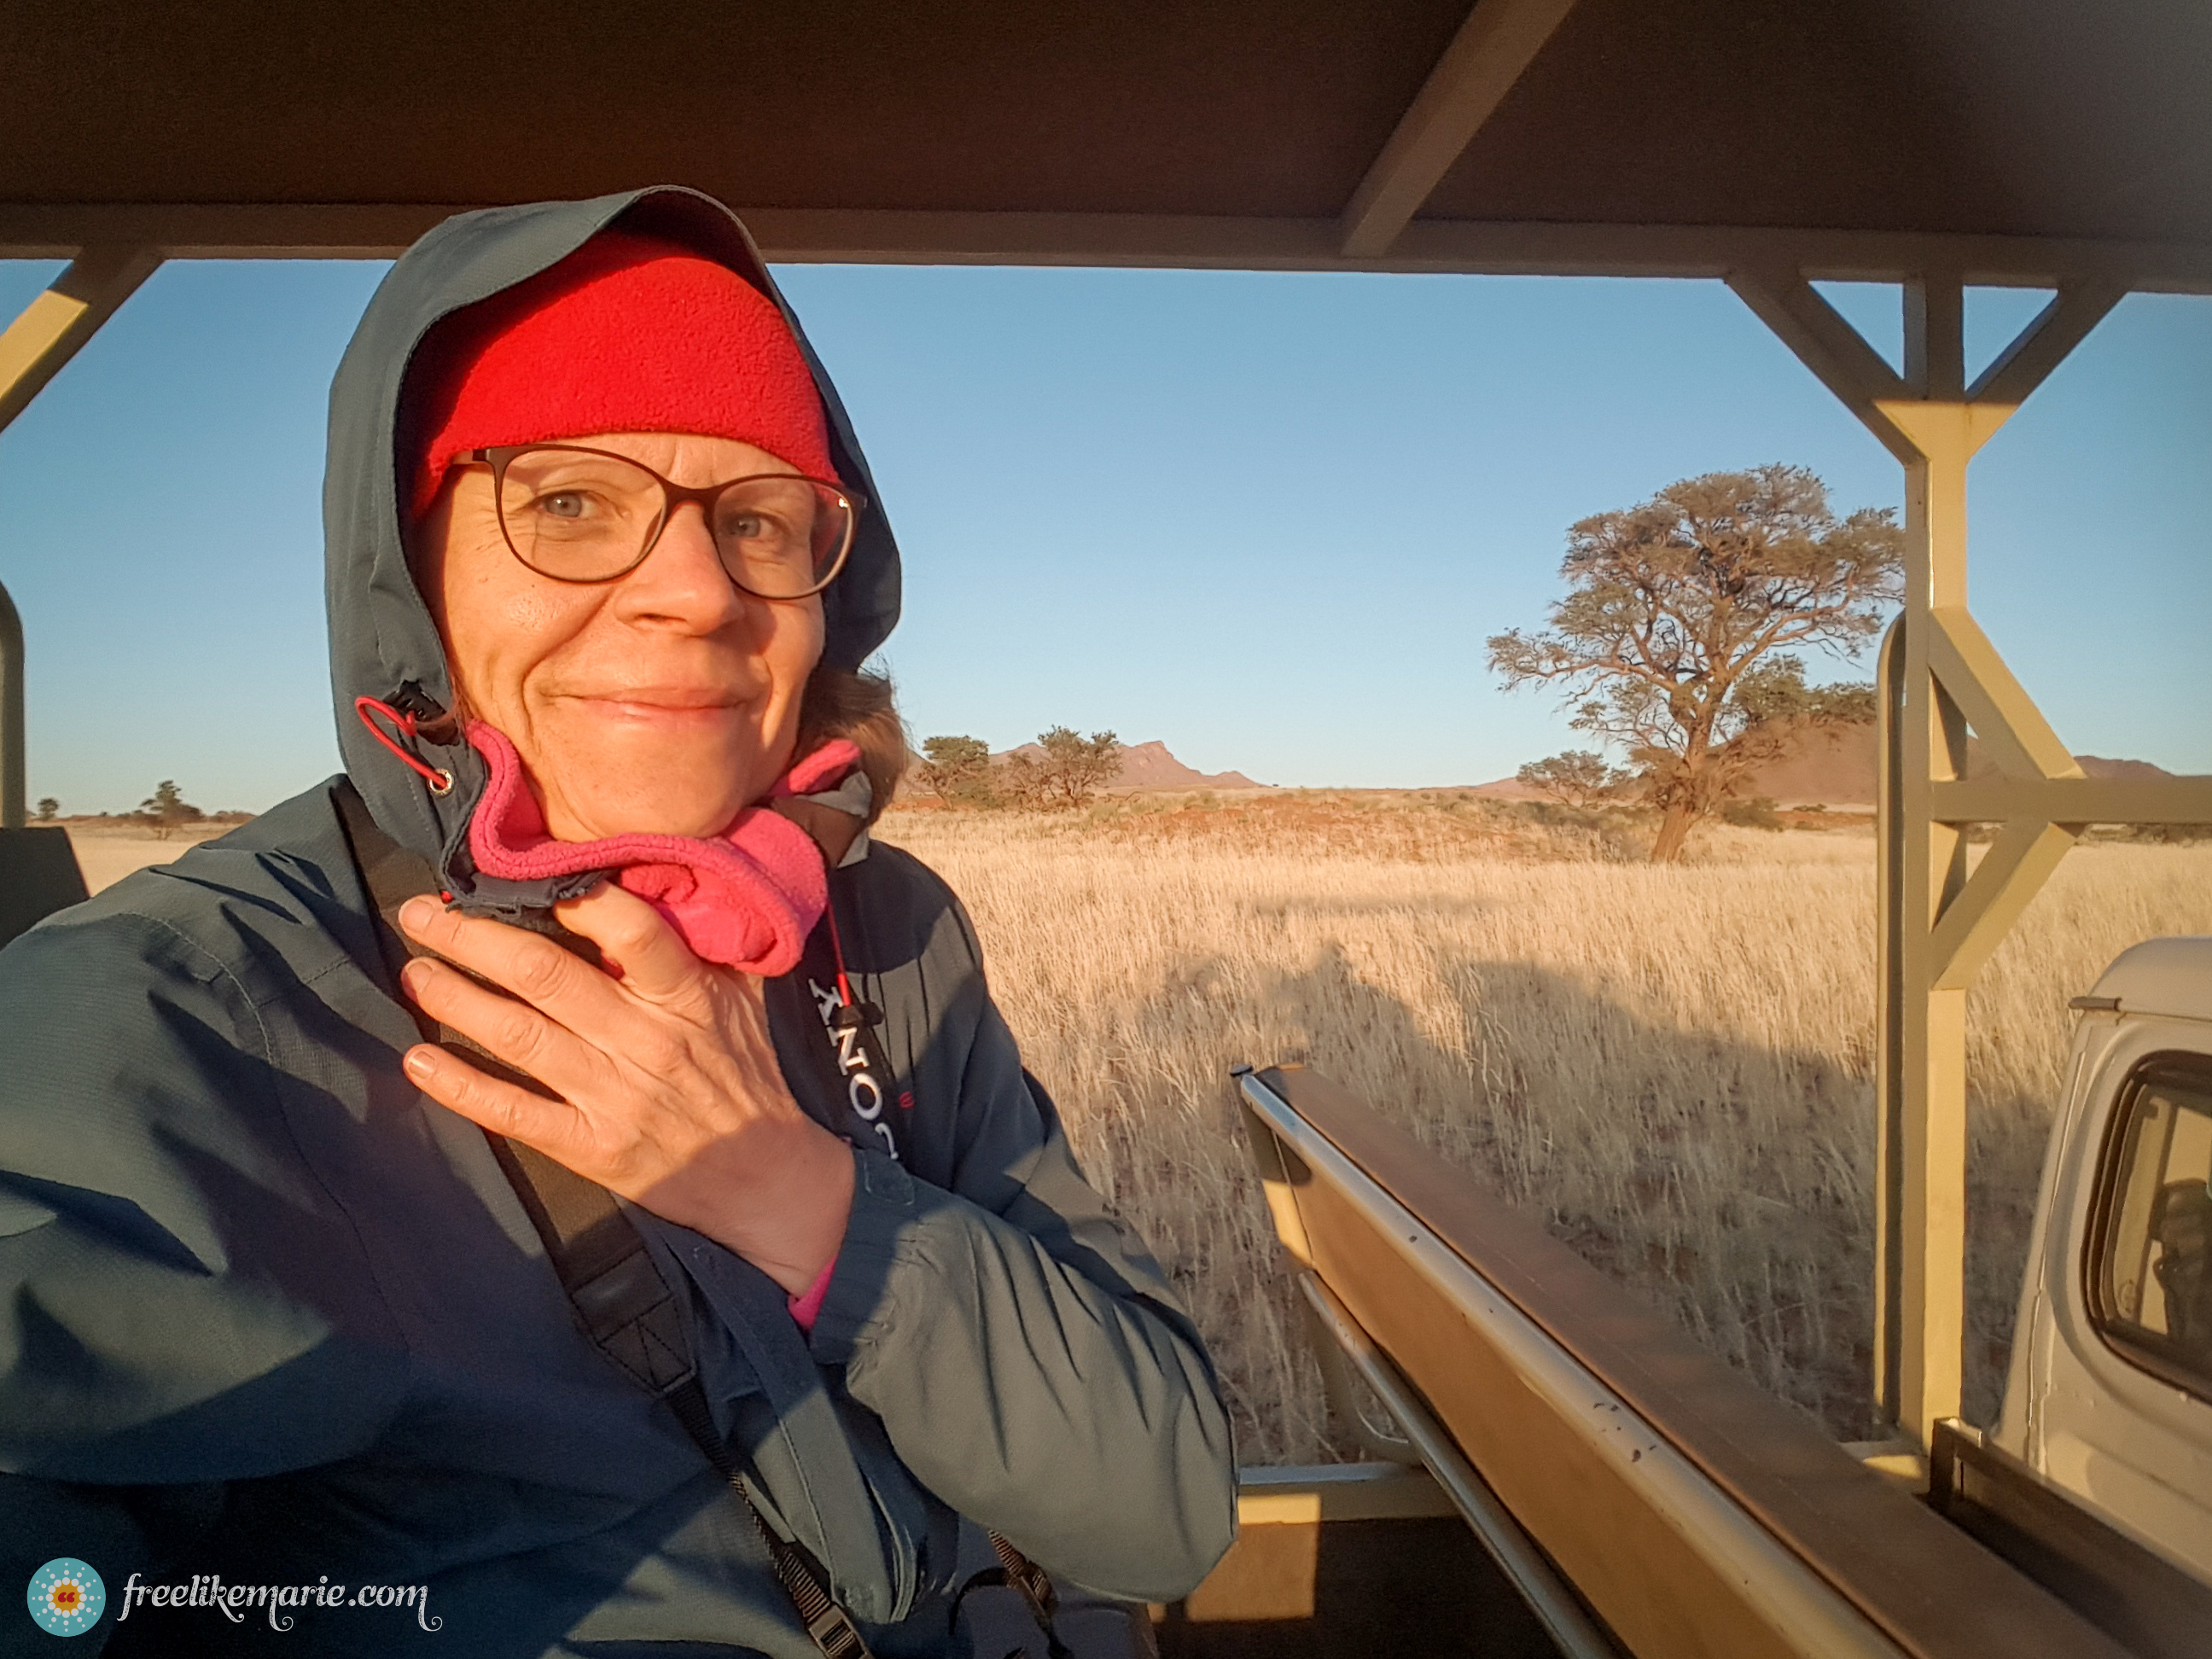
{"x": 2150, "y": 1278}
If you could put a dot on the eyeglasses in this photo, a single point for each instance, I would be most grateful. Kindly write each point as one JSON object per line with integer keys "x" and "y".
{"x": 583, "y": 515}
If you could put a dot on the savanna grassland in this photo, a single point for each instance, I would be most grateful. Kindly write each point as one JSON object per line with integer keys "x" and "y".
{"x": 1670, "y": 1066}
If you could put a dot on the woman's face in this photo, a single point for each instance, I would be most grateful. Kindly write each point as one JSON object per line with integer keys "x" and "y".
{"x": 665, "y": 701}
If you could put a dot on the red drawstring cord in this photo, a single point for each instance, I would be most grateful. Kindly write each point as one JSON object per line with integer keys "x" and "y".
{"x": 837, "y": 949}
{"x": 845, "y": 986}
{"x": 440, "y": 780}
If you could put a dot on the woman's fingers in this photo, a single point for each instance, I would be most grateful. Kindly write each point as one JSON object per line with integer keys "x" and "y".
{"x": 655, "y": 962}
{"x": 529, "y": 965}
{"x": 670, "y": 1090}
{"x": 509, "y": 1031}
{"x": 550, "y": 1125}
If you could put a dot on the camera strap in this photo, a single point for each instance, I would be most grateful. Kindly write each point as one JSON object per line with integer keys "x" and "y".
{"x": 613, "y": 1283}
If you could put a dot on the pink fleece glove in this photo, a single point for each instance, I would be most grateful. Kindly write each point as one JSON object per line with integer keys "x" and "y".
{"x": 746, "y": 898}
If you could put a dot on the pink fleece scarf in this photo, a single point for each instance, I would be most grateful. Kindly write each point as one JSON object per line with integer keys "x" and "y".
{"x": 747, "y": 897}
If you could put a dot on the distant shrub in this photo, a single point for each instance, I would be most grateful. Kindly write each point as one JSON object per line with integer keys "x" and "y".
{"x": 1752, "y": 812}
{"x": 2170, "y": 834}
{"x": 166, "y": 811}
{"x": 1580, "y": 777}
{"x": 956, "y": 770}
{"x": 1075, "y": 768}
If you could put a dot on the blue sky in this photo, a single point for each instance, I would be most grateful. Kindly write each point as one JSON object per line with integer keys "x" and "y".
{"x": 1269, "y": 519}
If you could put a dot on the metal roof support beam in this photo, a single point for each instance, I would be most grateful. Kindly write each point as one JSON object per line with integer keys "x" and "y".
{"x": 2078, "y": 306}
{"x": 1498, "y": 40}
{"x": 298, "y": 230}
{"x": 2001, "y": 800}
{"x": 33, "y": 348}
{"x": 1836, "y": 353}
{"x": 1940, "y": 678}
{"x": 54, "y": 326}
{"x": 1935, "y": 335}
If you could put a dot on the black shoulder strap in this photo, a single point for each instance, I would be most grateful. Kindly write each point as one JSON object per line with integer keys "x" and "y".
{"x": 624, "y": 1305}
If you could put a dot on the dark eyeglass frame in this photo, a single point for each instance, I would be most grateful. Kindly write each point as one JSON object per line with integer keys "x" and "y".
{"x": 673, "y": 495}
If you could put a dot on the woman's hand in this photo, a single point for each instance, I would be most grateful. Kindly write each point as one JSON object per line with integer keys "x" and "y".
{"x": 670, "y": 1091}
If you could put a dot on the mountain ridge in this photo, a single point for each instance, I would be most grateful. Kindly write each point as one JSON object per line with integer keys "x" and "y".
{"x": 1828, "y": 766}
{"x": 1150, "y": 766}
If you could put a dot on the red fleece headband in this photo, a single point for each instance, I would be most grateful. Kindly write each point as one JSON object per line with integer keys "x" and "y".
{"x": 626, "y": 334}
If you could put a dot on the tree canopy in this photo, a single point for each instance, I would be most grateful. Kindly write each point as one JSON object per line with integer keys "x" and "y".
{"x": 1063, "y": 769}
{"x": 1071, "y": 770}
{"x": 1675, "y": 636}
{"x": 956, "y": 769}
{"x": 166, "y": 810}
{"x": 1580, "y": 777}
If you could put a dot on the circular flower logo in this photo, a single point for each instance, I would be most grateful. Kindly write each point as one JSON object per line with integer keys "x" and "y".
{"x": 66, "y": 1596}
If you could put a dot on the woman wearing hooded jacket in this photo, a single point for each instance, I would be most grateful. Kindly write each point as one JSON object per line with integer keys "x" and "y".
{"x": 432, "y": 1182}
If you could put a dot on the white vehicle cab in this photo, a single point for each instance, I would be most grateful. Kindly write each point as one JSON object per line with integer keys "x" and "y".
{"x": 2110, "y": 1395}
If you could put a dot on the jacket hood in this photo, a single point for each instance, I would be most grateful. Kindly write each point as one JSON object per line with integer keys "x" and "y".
{"x": 383, "y": 644}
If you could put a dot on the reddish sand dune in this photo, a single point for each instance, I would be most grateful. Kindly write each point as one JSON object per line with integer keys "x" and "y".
{"x": 1827, "y": 766}
{"x": 1834, "y": 766}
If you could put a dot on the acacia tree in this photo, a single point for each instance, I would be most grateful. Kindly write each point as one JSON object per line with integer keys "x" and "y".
{"x": 1580, "y": 777}
{"x": 1062, "y": 769}
{"x": 1075, "y": 768}
{"x": 956, "y": 769}
{"x": 166, "y": 810}
{"x": 1676, "y": 630}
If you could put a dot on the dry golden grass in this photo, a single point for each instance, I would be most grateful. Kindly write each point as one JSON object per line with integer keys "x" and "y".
{"x": 1671, "y": 1068}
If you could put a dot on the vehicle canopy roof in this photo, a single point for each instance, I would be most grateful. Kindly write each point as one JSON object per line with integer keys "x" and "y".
{"x": 1666, "y": 136}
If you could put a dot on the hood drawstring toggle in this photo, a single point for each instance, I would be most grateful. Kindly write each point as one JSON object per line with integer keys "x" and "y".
{"x": 852, "y": 1013}
{"x": 440, "y": 780}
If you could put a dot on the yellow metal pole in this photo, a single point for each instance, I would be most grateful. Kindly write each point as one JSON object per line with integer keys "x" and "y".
{"x": 50, "y": 330}
{"x": 1935, "y": 926}
{"x": 1929, "y": 1027}
{"x": 1925, "y": 1175}
{"x": 55, "y": 325}
{"x": 1889, "y": 1034}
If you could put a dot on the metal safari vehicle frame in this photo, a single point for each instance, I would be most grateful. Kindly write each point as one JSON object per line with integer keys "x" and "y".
{"x": 1940, "y": 145}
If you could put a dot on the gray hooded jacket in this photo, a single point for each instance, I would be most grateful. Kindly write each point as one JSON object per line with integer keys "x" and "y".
{"x": 268, "y": 1317}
